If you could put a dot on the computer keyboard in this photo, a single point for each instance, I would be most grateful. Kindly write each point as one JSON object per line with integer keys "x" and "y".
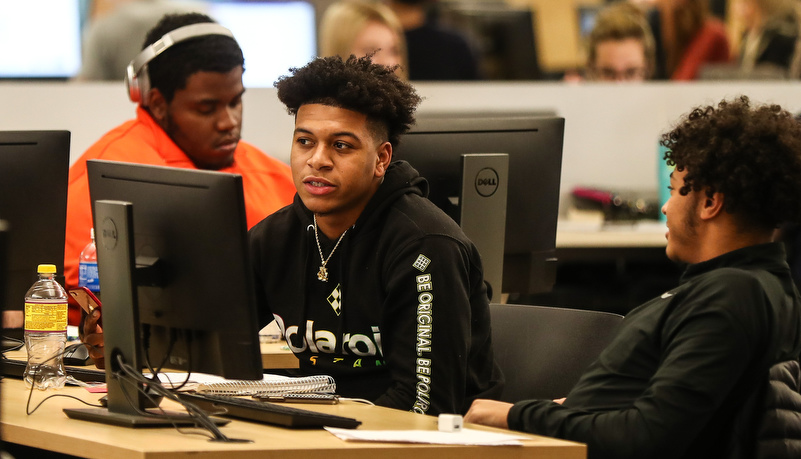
{"x": 15, "y": 368}
{"x": 265, "y": 412}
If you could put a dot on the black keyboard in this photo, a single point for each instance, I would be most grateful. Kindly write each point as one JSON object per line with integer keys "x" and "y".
{"x": 15, "y": 368}
{"x": 265, "y": 412}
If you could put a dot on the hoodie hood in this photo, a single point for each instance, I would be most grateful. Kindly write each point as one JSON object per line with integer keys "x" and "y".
{"x": 401, "y": 179}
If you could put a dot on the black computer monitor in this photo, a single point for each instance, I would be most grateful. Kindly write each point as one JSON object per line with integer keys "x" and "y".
{"x": 534, "y": 144}
{"x": 3, "y": 256}
{"x": 174, "y": 271}
{"x": 503, "y": 35}
{"x": 34, "y": 168}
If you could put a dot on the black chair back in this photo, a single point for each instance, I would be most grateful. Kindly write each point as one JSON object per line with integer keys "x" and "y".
{"x": 543, "y": 350}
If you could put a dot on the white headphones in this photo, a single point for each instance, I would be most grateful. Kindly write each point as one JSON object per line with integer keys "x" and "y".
{"x": 137, "y": 80}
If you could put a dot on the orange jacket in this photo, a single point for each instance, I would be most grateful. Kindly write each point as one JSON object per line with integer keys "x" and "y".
{"x": 267, "y": 182}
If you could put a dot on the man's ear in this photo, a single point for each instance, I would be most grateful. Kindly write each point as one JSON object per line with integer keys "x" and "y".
{"x": 711, "y": 206}
{"x": 157, "y": 105}
{"x": 383, "y": 159}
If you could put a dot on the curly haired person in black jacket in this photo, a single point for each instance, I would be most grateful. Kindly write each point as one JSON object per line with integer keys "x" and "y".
{"x": 674, "y": 380}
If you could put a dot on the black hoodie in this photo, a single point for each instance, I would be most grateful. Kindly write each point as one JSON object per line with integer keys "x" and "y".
{"x": 403, "y": 319}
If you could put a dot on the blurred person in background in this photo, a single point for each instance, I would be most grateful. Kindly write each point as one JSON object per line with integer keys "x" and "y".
{"x": 115, "y": 37}
{"x": 362, "y": 28}
{"x": 436, "y": 53}
{"x": 688, "y": 36}
{"x": 771, "y": 37}
{"x": 621, "y": 46}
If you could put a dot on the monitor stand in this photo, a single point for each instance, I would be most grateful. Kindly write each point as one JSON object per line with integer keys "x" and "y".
{"x": 485, "y": 181}
{"x": 127, "y": 402}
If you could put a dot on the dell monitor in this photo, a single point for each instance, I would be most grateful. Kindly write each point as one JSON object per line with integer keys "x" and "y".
{"x": 175, "y": 275}
{"x": 34, "y": 168}
{"x": 435, "y": 145}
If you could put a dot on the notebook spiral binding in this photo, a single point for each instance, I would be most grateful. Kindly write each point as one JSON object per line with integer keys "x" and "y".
{"x": 304, "y": 384}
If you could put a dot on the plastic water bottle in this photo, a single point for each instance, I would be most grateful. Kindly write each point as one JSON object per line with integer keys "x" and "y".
{"x": 87, "y": 267}
{"x": 45, "y": 331}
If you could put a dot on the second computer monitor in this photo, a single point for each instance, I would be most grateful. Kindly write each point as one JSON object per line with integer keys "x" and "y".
{"x": 34, "y": 167}
{"x": 534, "y": 144}
{"x": 195, "y": 303}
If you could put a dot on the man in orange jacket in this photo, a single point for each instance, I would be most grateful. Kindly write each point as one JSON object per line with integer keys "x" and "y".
{"x": 188, "y": 84}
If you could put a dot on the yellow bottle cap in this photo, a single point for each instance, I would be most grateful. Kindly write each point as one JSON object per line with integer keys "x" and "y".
{"x": 47, "y": 269}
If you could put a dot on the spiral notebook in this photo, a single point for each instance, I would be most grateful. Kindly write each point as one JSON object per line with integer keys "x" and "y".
{"x": 277, "y": 385}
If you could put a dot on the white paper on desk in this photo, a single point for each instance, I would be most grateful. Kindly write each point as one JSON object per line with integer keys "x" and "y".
{"x": 463, "y": 437}
{"x": 172, "y": 379}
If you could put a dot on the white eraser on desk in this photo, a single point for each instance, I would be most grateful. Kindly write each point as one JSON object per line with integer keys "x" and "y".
{"x": 450, "y": 422}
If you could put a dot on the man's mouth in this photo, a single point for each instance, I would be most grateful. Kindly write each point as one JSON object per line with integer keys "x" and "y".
{"x": 227, "y": 144}
{"x": 318, "y": 186}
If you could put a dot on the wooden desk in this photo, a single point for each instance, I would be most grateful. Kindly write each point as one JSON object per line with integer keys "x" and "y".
{"x": 277, "y": 356}
{"x": 49, "y": 428}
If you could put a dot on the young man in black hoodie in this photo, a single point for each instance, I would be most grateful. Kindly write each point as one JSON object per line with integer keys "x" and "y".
{"x": 368, "y": 281}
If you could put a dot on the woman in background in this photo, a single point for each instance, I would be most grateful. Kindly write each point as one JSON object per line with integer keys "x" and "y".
{"x": 361, "y": 28}
{"x": 688, "y": 37}
{"x": 770, "y": 40}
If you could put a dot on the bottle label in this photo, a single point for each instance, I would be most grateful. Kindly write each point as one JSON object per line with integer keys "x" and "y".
{"x": 88, "y": 276}
{"x": 46, "y": 316}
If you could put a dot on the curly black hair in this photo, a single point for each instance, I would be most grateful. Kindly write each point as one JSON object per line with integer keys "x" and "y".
{"x": 750, "y": 154}
{"x": 170, "y": 70}
{"x": 354, "y": 84}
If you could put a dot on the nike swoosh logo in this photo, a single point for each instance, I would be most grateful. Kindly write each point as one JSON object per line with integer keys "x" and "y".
{"x": 667, "y": 295}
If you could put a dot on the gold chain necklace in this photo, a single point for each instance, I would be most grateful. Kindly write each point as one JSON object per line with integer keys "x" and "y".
{"x": 322, "y": 274}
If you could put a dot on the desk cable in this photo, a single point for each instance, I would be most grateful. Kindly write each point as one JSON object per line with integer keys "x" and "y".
{"x": 193, "y": 411}
{"x": 35, "y": 367}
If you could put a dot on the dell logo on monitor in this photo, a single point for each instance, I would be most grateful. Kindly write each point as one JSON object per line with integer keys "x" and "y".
{"x": 486, "y": 182}
{"x": 108, "y": 234}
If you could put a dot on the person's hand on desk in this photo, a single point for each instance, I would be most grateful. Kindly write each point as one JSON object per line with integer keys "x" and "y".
{"x": 489, "y": 413}
{"x": 91, "y": 335}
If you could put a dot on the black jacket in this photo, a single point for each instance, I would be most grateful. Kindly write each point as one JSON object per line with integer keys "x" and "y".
{"x": 676, "y": 377}
{"x": 403, "y": 319}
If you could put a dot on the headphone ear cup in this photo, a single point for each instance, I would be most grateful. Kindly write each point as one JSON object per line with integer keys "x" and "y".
{"x": 143, "y": 85}
{"x": 137, "y": 84}
{"x": 132, "y": 84}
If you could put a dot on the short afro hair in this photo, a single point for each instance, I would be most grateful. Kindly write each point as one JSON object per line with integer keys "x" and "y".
{"x": 170, "y": 70}
{"x": 354, "y": 84}
{"x": 750, "y": 154}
